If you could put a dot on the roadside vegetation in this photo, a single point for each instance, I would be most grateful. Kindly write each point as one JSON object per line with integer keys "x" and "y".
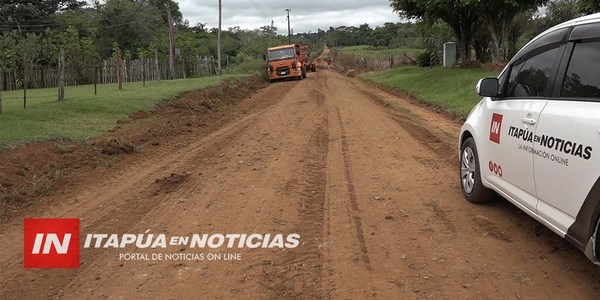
{"x": 84, "y": 115}
{"x": 449, "y": 89}
{"x": 373, "y": 52}
{"x": 487, "y": 35}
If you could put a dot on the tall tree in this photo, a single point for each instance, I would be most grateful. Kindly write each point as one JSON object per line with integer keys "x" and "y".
{"x": 131, "y": 24}
{"x": 498, "y": 16}
{"x": 8, "y": 59}
{"x": 561, "y": 11}
{"x": 589, "y": 6}
{"x": 32, "y": 16}
{"x": 28, "y": 54}
{"x": 461, "y": 16}
{"x": 159, "y": 5}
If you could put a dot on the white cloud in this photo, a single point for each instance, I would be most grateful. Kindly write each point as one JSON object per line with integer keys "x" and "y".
{"x": 308, "y": 15}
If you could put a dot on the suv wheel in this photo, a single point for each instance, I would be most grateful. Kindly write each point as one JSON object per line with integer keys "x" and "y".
{"x": 470, "y": 174}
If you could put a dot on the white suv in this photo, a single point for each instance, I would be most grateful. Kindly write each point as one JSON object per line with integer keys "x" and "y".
{"x": 535, "y": 136}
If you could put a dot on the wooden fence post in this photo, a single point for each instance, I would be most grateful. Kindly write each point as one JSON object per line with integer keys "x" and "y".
{"x": 61, "y": 75}
{"x": 1, "y": 86}
{"x": 156, "y": 65}
{"x": 119, "y": 68}
{"x": 95, "y": 77}
{"x": 143, "y": 72}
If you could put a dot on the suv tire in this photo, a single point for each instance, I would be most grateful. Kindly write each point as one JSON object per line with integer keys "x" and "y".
{"x": 470, "y": 174}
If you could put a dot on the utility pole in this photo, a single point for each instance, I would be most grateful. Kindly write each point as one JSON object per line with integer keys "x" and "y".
{"x": 171, "y": 43}
{"x": 219, "y": 42}
{"x": 273, "y": 34}
{"x": 288, "y": 17}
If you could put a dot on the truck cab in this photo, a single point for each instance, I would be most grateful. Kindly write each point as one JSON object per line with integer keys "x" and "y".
{"x": 285, "y": 62}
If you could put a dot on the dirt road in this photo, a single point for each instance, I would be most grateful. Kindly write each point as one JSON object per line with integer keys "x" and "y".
{"x": 368, "y": 180}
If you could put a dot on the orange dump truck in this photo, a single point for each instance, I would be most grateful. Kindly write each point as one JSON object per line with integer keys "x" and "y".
{"x": 289, "y": 61}
{"x": 286, "y": 62}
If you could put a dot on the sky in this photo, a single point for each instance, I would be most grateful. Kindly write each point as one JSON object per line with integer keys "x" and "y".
{"x": 305, "y": 15}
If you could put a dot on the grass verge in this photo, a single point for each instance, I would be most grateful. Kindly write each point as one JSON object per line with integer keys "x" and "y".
{"x": 84, "y": 115}
{"x": 252, "y": 66}
{"x": 367, "y": 52}
{"x": 450, "y": 89}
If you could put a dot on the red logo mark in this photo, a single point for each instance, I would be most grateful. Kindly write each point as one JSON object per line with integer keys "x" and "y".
{"x": 495, "y": 128}
{"x": 51, "y": 243}
{"x": 495, "y": 168}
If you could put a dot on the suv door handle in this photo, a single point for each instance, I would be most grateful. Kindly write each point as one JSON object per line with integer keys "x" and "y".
{"x": 529, "y": 121}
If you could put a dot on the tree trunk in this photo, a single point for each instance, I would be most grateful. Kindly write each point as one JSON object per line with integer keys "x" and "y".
{"x": 496, "y": 45}
{"x": 496, "y": 26}
{"x": 61, "y": 75}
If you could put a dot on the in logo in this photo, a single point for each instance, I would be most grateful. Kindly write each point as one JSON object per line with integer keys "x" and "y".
{"x": 51, "y": 243}
{"x": 495, "y": 128}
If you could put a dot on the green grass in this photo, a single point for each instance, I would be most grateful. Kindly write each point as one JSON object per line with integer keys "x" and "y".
{"x": 252, "y": 66}
{"x": 84, "y": 115}
{"x": 364, "y": 51}
{"x": 451, "y": 89}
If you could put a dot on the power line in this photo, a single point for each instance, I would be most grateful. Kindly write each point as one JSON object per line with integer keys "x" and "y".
{"x": 260, "y": 10}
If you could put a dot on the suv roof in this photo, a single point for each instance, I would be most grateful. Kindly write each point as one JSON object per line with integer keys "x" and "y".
{"x": 593, "y": 18}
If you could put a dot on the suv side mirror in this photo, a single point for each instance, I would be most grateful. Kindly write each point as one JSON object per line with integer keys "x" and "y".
{"x": 488, "y": 87}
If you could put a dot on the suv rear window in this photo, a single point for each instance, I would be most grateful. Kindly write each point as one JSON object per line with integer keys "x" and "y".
{"x": 583, "y": 75}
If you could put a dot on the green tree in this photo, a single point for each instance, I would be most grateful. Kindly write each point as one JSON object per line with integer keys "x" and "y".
{"x": 557, "y": 11}
{"x": 161, "y": 7}
{"x": 459, "y": 14}
{"x": 8, "y": 59}
{"x": 28, "y": 56}
{"x": 589, "y": 6}
{"x": 560, "y": 11}
{"x": 131, "y": 24}
{"x": 32, "y": 16}
{"x": 498, "y": 16}
{"x": 80, "y": 51}
{"x": 383, "y": 36}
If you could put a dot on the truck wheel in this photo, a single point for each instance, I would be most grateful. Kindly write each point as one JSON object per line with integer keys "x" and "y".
{"x": 303, "y": 72}
{"x": 313, "y": 67}
{"x": 470, "y": 174}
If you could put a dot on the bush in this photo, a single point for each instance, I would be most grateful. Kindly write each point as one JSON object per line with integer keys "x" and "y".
{"x": 424, "y": 58}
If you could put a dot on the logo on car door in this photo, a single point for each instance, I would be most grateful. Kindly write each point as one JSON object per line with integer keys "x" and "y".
{"x": 495, "y": 128}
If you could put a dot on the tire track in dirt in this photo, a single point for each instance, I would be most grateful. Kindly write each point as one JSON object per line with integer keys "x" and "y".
{"x": 360, "y": 235}
{"x": 300, "y": 274}
{"x": 417, "y": 127}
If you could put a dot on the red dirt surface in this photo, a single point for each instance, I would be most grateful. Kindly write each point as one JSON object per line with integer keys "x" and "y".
{"x": 367, "y": 179}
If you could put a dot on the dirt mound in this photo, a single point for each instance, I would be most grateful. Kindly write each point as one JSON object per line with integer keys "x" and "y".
{"x": 169, "y": 184}
{"x": 114, "y": 146}
{"x": 30, "y": 171}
